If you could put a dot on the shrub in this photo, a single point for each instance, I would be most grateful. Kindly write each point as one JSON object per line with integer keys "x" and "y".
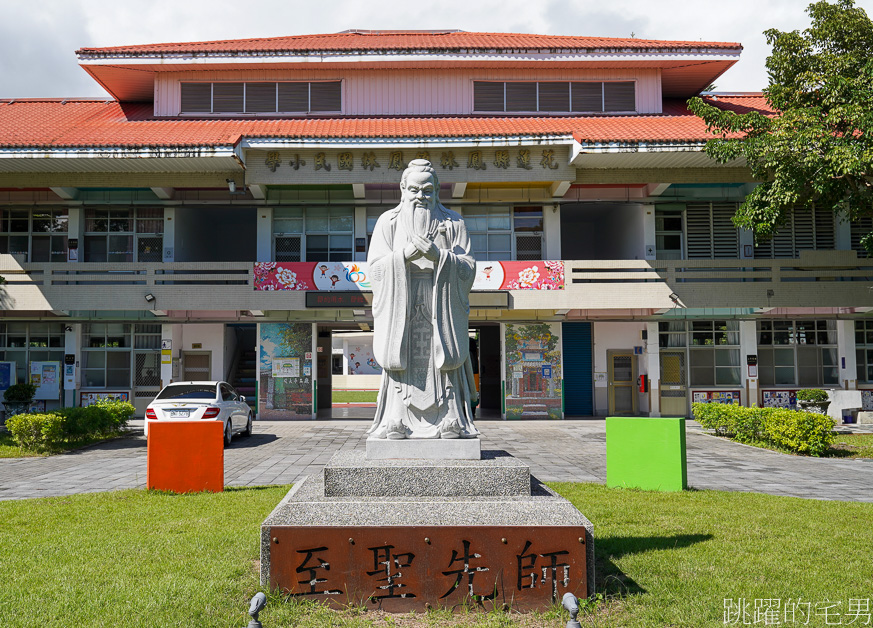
{"x": 80, "y": 423}
{"x": 22, "y": 393}
{"x": 120, "y": 412}
{"x": 816, "y": 395}
{"x": 802, "y": 432}
{"x": 37, "y": 432}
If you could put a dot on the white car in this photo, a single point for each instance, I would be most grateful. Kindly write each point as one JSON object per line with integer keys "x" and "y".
{"x": 209, "y": 401}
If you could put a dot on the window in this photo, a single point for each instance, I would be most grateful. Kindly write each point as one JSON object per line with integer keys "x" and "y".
{"x": 797, "y": 353}
{"x": 490, "y": 231}
{"x": 40, "y": 235}
{"x": 668, "y": 234}
{"x": 24, "y": 343}
{"x": 710, "y": 231}
{"x": 864, "y": 350}
{"x": 124, "y": 234}
{"x": 260, "y": 98}
{"x": 322, "y": 234}
{"x": 858, "y": 229}
{"x": 808, "y": 228}
{"x": 713, "y": 349}
{"x": 554, "y": 96}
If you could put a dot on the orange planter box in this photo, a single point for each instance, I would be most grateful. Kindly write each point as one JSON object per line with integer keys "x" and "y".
{"x": 185, "y": 456}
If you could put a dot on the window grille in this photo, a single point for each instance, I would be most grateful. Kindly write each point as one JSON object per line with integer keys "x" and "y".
{"x": 797, "y": 353}
{"x": 713, "y": 349}
{"x": 864, "y": 350}
{"x": 808, "y": 228}
{"x": 323, "y": 233}
{"x": 24, "y": 343}
{"x": 710, "y": 231}
{"x": 554, "y": 96}
{"x": 262, "y": 97}
{"x": 40, "y": 235}
{"x": 124, "y": 234}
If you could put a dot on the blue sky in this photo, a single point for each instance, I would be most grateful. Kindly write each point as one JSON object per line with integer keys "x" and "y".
{"x": 38, "y": 38}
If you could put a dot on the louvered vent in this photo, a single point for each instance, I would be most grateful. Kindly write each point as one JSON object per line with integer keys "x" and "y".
{"x": 587, "y": 96}
{"x": 293, "y": 97}
{"x": 859, "y": 228}
{"x": 521, "y": 96}
{"x": 619, "y": 96}
{"x": 487, "y": 96}
{"x": 325, "y": 96}
{"x": 808, "y": 229}
{"x": 196, "y": 97}
{"x": 711, "y": 233}
{"x": 554, "y": 97}
{"x": 260, "y": 97}
{"x": 227, "y": 97}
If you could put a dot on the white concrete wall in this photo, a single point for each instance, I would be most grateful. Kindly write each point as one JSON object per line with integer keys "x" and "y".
{"x": 409, "y": 92}
{"x": 211, "y": 338}
{"x": 357, "y": 382}
{"x": 229, "y": 350}
{"x": 622, "y": 336}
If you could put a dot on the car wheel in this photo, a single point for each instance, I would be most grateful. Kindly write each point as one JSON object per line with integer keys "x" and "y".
{"x": 228, "y": 434}
{"x": 248, "y": 430}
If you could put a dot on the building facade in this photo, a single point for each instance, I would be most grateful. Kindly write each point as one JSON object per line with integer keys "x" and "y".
{"x": 211, "y": 221}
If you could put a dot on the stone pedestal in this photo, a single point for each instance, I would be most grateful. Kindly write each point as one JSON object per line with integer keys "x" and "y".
{"x": 426, "y": 448}
{"x": 411, "y": 534}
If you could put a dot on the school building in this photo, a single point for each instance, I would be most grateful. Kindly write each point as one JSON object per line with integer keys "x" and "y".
{"x": 210, "y": 220}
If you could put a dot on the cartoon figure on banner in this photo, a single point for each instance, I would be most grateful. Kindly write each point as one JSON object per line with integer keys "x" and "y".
{"x": 323, "y": 269}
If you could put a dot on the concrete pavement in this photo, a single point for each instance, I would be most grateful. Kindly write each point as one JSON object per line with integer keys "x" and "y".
{"x": 572, "y": 450}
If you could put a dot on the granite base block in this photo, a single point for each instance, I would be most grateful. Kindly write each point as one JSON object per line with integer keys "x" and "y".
{"x": 424, "y": 448}
{"x": 407, "y": 553}
{"x": 351, "y": 473}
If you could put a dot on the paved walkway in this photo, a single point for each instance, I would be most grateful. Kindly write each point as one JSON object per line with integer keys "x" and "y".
{"x": 572, "y": 450}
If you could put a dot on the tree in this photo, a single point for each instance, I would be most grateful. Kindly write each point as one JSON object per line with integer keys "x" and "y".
{"x": 819, "y": 147}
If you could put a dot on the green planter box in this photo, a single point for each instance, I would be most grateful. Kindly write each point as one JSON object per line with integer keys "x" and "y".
{"x": 646, "y": 453}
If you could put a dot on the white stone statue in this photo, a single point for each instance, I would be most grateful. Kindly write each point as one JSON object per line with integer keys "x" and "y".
{"x": 422, "y": 270}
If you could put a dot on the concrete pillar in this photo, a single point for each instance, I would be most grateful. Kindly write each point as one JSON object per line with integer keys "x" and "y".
{"x": 169, "y": 254}
{"x": 171, "y": 339}
{"x": 264, "y": 252}
{"x": 748, "y": 346}
{"x": 75, "y": 228}
{"x": 650, "y": 244}
{"x": 846, "y": 355}
{"x": 360, "y": 232}
{"x": 653, "y": 368}
{"x": 552, "y": 232}
{"x": 71, "y": 346}
{"x": 842, "y": 233}
{"x": 345, "y": 353}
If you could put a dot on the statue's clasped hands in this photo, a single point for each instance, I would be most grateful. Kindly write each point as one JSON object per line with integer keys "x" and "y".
{"x": 419, "y": 246}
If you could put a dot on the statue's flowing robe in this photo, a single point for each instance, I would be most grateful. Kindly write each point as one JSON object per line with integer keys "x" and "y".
{"x": 421, "y": 313}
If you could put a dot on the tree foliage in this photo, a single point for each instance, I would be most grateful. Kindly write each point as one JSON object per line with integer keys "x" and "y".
{"x": 819, "y": 148}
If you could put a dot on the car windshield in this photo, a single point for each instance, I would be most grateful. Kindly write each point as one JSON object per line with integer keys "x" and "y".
{"x": 188, "y": 391}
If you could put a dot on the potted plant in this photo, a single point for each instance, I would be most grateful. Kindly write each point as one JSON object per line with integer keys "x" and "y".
{"x": 17, "y": 399}
{"x": 813, "y": 400}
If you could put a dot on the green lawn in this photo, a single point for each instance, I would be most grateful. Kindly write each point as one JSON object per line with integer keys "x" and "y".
{"x": 852, "y": 446}
{"x": 354, "y": 396}
{"x": 134, "y": 558}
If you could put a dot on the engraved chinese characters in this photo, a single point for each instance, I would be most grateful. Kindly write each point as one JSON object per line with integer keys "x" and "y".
{"x": 422, "y": 270}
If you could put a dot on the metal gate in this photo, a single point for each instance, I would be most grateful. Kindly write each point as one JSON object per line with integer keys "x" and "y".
{"x": 673, "y": 390}
{"x": 578, "y": 369}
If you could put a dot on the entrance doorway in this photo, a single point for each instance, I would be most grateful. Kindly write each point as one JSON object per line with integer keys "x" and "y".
{"x": 578, "y": 369}
{"x": 673, "y": 392}
{"x": 487, "y": 346}
{"x": 196, "y": 366}
{"x": 621, "y": 383}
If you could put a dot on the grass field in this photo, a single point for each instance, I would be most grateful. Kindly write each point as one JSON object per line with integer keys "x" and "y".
{"x": 852, "y": 446}
{"x": 134, "y": 558}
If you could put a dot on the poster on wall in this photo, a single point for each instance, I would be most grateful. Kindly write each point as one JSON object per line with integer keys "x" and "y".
{"x": 716, "y": 396}
{"x": 360, "y": 358}
{"x": 46, "y": 376}
{"x": 7, "y": 375}
{"x": 867, "y": 400}
{"x": 284, "y": 372}
{"x": 89, "y": 398}
{"x": 532, "y": 349}
{"x": 779, "y": 399}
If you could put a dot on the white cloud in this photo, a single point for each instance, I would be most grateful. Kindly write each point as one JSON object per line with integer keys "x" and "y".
{"x": 38, "y": 39}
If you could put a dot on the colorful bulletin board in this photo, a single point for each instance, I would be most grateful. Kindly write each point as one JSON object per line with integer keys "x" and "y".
{"x": 533, "y": 371}
{"x": 46, "y": 376}
{"x": 867, "y": 400}
{"x": 285, "y": 371}
{"x": 7, "y": 375}
{"x": 90, "y": 398}
{"x": 779, "y": 399}
{"x": 716, "y": 396}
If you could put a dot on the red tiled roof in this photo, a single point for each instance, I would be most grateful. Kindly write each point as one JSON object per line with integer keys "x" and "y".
{"x": 54, "y": 124}
{"x": 405, "y": 41}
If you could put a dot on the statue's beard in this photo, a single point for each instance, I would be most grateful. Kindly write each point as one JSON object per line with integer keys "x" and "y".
{"x": 421, "y": 220}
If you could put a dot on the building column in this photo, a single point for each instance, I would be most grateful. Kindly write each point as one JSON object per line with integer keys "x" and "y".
{"x": 649, "y": 240}
{"x": 171, "y": 337}
{"x": 360, "y": 232}
{"x": 747, "y": 244}
{"x": 748, "y": 346}
{"x": 653, "y": 367}
{"x": 842, "y": 233}
{"x": 71, "y": 347}
{"x": 169, "y": 254}
{"x": 264, "y": 252}
{"x": 75, "y": 228}
{"x": 552, "y": 232}
{"x": 846, "y": 354}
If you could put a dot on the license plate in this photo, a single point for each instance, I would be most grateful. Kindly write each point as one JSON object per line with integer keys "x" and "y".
{"x": 179, "y": 414}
